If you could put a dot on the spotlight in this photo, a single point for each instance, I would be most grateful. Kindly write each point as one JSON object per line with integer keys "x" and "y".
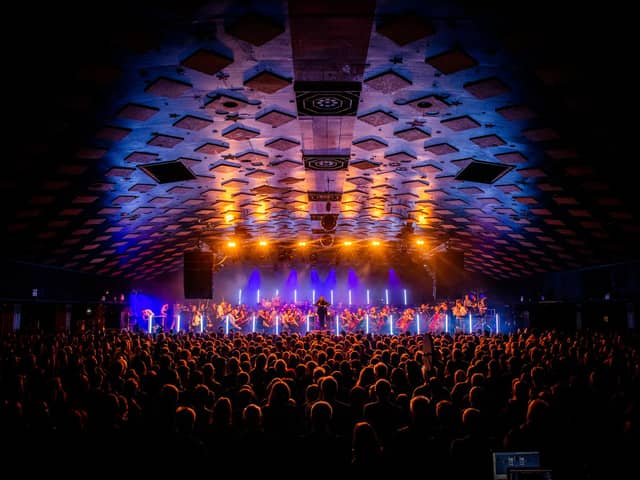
{"x": 375, "y": 243}
{"x": 262, "y": 243}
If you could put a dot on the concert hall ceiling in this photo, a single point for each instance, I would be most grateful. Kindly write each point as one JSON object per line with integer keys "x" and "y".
{"x": 143, "y": 129}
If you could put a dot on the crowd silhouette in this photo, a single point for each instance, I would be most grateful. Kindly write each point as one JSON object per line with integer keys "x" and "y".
{"x": 346, "y": 401}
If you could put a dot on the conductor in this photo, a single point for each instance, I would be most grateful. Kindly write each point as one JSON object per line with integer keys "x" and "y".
{"x": 322, "y": 305}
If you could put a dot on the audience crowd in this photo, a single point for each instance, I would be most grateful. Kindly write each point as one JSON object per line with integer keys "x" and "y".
{"x": 331, "y": 402}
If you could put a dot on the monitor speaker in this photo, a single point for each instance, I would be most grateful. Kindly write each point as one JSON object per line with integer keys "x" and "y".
{"x": 198, "y": 275}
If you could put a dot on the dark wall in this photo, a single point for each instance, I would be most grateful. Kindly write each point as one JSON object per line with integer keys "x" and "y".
{"x": 619, "y": 282}
{"x": 22, "y": 282}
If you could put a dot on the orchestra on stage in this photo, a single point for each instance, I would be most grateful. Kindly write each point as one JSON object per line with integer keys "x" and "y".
{"x": 274, "y": 316}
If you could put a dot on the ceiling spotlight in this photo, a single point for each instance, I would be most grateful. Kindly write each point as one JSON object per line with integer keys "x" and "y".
{"x": 375, "y": 243}
{"x": 262, "y": 243}
{"x": 302, "y": 244}
{"x": 347, "y": 243}
{"x": 228, "y": 218}
{"x": 420, "y": 242}
{"x": 231, "y": 244}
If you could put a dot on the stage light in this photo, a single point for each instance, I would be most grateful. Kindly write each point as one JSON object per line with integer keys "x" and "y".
{"x": 368, "y": 299}
{"x": 366, "y": 323}
{"x": 150, "y": 323}
{"x": 446, "y": 323}
{"x": 202, "y": 324}
{"x": 253, "y": 324}
{"x": 313, "y": 296}
{"x": 277, "y": 325}
{"x": 295, "y": 296}
{"x": 386, "y": 296}
{"x": 420, "y": 242}
{"x": 239, "y": 296}
{"x": 375, "y": 243}
{"x": 226, "y": 325}
{"x": 178, "y": 324}
{"x": 347, "y": 243}
{"x": 331, "y": 296}
{"x": 308, "y": 323}
{"x": 497, "y": 324}
{"x": 470, "y": 324}
{"x": 228, "y": 218}
{"x": 404, "y": 291}
{"x": 349, "y": 296}
{"x": 262, "y": 243}
{"x": 390, "y": 324}
{"x": 277, "y": 293}
{"x": 302, "y": 244}
{"x": 258, "y": 296}
{"x": 232, "y": 244}
{"x": 337, "y": 324}
{"x": 418, "y": 323}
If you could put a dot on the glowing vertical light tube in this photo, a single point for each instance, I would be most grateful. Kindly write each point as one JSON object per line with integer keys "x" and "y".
{"x": 368, "y": 301}
{"x": 446, "y": 323}
{"x": 404, "y": 292}
{"x": 150, "y": 323}
{"x": 332, "y": 296}
{"x": 497, "y": 324}
{"x": 178, "y": 324}
{"x": 366, "y": 324}
{"x": 308, "y": 322}
{"x": 295, "y": 295}
{"x": 258, "y": 296}
{"x": 470, "y": 324}
{"x": 418, "y": 323}
{"x": 386, "y": 296}
{"x": 253, "y": 324}
{"x": 239, "y": 296}
{"x": 277, "y": 325}
{"x": 202, "y": 320}
{"x": 349, "y": 296}
{"x": 313, "y": 296}
{"x": 390, "y": 324}
{"x": 337, "y": 324}
{"x": 226, "y": 325}
{"x": 277, "y": 292}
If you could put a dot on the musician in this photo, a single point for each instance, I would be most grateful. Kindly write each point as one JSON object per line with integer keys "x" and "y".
{"x": 470, "y": 302}
{"x": 482, "y": 306}
{"x": 263, "y": 320}
{"x": 322, "y": 305}
{"x": 460, "y": 312}
{"x": 346, "y": 319}
{"x": 147, "y": 316}
{"x": 162, "y": 318}
{"x": 196, "y": 318}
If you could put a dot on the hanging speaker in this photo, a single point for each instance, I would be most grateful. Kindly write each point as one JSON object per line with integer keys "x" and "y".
{"x": 198, "y": 275}
{"x": 449, "y": 269}
{"x": 329, "y": 222}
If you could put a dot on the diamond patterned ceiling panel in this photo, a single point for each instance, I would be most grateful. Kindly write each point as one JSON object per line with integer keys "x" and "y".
{"x": 384, "y": 101}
